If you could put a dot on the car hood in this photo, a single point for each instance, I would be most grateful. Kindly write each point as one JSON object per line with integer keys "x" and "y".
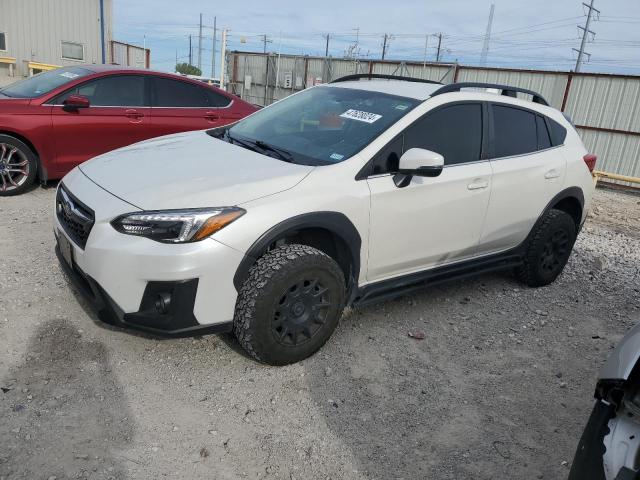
{"x": 190, "y": 170}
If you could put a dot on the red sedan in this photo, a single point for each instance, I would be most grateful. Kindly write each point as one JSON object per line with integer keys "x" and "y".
{"x": 56, "y": 120}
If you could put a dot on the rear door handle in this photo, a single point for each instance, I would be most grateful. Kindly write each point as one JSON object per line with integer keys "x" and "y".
{"x": 212, "y": 116}
{"x": 551, "y": 174}
{"x": 478, "y": 184}
{"x": 135, "y": 114}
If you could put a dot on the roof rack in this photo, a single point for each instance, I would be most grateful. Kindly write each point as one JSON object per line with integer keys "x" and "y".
{"x": 506, "y": 90}
{"x": 371, "y": 76}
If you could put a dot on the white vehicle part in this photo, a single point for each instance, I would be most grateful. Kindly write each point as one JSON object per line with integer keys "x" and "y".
{"x": 622, "y": 443}
{"x": 191, "y": 170}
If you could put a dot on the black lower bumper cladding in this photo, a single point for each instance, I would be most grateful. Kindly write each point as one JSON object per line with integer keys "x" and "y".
{"x": 175, "y": 320}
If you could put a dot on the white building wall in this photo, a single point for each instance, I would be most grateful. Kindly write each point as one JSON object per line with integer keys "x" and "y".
{"x": 35, "y": 30}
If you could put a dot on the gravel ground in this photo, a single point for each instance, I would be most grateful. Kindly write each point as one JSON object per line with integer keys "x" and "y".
{"x": 501, "y": 386}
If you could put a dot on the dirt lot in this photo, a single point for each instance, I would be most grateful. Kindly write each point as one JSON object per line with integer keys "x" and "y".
{"x": 500, "y": 388}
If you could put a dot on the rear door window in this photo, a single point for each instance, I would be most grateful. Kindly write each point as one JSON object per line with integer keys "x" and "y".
{"x": 170, "y": 93}
{"x": 515, "y": 131}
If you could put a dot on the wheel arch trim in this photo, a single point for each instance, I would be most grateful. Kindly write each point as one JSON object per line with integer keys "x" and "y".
{"x": 335, "y": 222}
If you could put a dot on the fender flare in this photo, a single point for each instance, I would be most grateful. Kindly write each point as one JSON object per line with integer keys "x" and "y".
{"x": 571, "y": 192}
{"x": 335, "y": 222}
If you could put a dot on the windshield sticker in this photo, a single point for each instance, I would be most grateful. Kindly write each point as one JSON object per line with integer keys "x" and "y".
{"x": 402, "y": 107}
{"x": 336, "y": 156}
{"x": 69, "y": 75}
{"x": 361, "y": 116}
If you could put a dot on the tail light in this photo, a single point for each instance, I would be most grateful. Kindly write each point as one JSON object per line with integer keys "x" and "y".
{"x": 590, "y": 159}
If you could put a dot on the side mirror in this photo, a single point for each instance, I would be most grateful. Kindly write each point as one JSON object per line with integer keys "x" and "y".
{"x": 75, "y": 102}
{"x": 418, "y": 162}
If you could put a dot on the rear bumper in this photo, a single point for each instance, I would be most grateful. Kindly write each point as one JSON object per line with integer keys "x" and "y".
{"x": 177, "y": 320}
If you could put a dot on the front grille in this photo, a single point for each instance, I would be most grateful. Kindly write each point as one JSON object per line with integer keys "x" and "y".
{"x": 75, "y": 217}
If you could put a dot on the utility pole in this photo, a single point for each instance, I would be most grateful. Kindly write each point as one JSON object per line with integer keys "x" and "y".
{"x": 384, "y": 46}
{"x": 200, "y": 45}
{"x": 190, "y": 52}
{"x": 213, "y": 49}
{"x": 326, "y": 48}
{"x": 265, "y": 40}
{"x": 487, "y": 37}
{"x": 439, "y": 46}
{"x": 585, "y": 34}
{"x": 426, "y": 47}
{"x": 223, "y": 54}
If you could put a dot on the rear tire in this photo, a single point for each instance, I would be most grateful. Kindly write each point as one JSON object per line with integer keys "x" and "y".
{"x": 18, "y": 166}
{"x": 289, "y": 305}
{"x": 549, "y": 249}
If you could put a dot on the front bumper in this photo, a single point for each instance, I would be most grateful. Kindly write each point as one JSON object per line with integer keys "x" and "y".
{"x": 176, "y": 321}
{"x": 122, "y": 275}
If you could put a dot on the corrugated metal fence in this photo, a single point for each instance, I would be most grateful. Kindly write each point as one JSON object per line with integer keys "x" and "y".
{"x": 605, "y": 108}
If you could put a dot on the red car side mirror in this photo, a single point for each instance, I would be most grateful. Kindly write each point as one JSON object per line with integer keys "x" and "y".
{"x": 75, "y": 102}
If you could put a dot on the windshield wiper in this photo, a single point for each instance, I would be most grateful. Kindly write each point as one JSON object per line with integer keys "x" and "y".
{"x": 248, "y": 145}
{"x": 261, "y": 147}
{"x": 281, "y": 153}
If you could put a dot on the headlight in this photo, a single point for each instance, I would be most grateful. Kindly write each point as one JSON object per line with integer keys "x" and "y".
{"x": 177, "y": 226}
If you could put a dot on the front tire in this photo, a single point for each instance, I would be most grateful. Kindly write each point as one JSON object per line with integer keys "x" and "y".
{"x": 289, "y": 305}
{"x": 549, "y": 249}
{"x": 18, "y": 166}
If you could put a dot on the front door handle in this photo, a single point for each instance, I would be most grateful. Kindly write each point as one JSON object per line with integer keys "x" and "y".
{"x": 551, "y": 174}
{"x": 478, "y": 184}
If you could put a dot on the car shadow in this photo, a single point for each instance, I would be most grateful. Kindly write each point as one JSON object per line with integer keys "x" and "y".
{"x": 408, "y": 408}
{"x": 64, "y": 413}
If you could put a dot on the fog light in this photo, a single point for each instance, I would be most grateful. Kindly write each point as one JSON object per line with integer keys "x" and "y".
{"x": 163, "y": 303}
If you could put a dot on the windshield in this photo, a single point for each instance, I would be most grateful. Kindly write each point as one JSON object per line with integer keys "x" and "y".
{"x": 44, "y": 83}
{"x": 322, "y": 125}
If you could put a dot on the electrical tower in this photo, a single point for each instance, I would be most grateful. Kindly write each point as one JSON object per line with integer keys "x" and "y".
{"x": 439, "y": 35}
{"x": 586, "y": 32}
{"x": 487, "y": 38}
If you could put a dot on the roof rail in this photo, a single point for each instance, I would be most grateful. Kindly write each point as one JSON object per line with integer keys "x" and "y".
{"x": 372, "y": 76}
{"x": 506, "y": 90}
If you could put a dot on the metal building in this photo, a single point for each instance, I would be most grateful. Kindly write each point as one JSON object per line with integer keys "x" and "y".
{"x": 38, "y": 35}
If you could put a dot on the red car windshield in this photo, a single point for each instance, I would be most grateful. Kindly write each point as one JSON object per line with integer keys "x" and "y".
{"x": 44, "y": 83}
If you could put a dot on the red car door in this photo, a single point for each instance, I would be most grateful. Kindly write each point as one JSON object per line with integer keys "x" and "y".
{"x": 118, "y": 115}
{"x": 180, "y": 106}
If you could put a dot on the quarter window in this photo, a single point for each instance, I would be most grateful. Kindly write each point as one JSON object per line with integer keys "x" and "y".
{"x": 72, "y": 51}
{"x": 557, "y": 132}
{"x": 515, "y": 131}
{"x": 544, "y": 141}
{"x": 174, "y": 93}
{"x": 455, "y": 132}
{"x": 3, "y": 41}
{"x": 113, "y": 91}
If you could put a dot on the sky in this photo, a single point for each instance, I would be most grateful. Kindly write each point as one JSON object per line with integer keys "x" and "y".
{"x": 537, "y": 34}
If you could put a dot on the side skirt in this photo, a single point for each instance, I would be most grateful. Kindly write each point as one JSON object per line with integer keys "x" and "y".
{"x": 395, "y": 287}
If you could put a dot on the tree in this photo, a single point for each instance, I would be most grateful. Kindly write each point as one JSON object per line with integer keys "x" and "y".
{"x": 187, "y": 69}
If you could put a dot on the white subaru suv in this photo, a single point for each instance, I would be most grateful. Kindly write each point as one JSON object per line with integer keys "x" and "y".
{"x": 342, "y": 194}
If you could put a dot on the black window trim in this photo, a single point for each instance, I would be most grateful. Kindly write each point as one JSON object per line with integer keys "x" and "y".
{"x": 204, "y": 87}
{"x": 546, "y": 119}
{"x": 365, "y": 171}
{"x": 147, "y": 97}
